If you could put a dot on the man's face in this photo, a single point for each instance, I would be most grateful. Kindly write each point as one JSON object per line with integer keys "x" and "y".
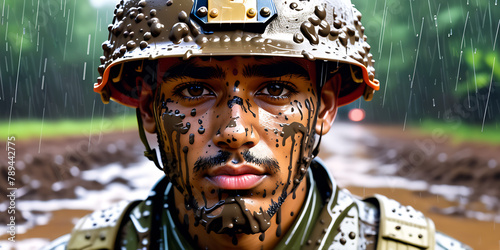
{"x": 236, "y": 136}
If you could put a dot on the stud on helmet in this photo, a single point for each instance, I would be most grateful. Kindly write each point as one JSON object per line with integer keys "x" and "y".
{"x": 143, "y": 30}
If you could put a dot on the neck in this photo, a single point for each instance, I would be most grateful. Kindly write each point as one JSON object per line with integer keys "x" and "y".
{"x": 286, "y": 215}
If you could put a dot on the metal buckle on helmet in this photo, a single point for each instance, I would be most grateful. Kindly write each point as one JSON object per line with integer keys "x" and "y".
{"x": 252, "y": 15}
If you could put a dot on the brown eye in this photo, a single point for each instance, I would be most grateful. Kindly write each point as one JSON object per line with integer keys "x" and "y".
{"x": 275, "y": 89}
{"x": 195, "y": 90}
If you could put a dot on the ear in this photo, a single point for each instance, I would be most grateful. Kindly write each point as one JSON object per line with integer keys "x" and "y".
{"x": 146, "y": 106}
{"x": 328, "y": 108}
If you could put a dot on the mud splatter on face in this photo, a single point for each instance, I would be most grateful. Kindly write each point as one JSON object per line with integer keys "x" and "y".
{"x": 191, "y": 139}
{"x": 236, "y": 85}
{"x": 232, "y": 213}
{"x": 236, "y": 101}
{"x": 250, "y": 108}
{"x": 235, "y": 219}
{"x": 232, "y": 123}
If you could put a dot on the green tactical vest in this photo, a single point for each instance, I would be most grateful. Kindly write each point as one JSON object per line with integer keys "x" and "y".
{"x": 331, "y": 218}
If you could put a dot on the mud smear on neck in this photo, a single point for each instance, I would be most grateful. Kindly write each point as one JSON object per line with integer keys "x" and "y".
{"x": 234, "y": 218}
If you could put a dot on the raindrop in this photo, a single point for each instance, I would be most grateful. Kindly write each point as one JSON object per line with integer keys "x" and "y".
{"x": 84, "y": 70}
{"x": 387, "y": 79}
{"x": 437, "y": 37}
{"x": 88, "y": 45}
{"x": 496, "y": 36}
{"x": 19, "y": 67}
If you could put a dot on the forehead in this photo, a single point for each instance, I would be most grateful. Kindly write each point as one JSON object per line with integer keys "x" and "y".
{"x": 222, "y": 67}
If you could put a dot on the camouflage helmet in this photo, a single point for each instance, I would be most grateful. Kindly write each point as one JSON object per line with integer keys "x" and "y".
{"x": 145, "y": 30}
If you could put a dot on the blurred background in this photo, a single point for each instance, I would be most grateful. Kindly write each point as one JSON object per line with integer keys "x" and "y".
{"x": 430, "y": 138}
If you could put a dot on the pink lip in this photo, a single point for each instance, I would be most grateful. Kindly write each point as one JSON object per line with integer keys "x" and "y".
{"x": 236, "y": 177}
{"x": 236, "y": 182}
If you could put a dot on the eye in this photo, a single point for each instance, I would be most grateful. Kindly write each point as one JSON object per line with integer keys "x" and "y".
{"x": 193, "y": 91}
{"x": 277, "y": 89}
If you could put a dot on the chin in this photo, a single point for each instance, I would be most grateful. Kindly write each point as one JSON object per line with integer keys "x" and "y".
{"x": 233, "y": 218}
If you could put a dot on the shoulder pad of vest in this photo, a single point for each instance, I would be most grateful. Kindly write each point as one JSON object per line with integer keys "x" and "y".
{"x": 445, "y": 242}
{"x": 403, "y": 225}
{"x": 99, "y": 229}
{"x": 58, "y": 244}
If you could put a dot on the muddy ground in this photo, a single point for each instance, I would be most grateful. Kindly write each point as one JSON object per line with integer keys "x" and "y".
{"x": 52, "y": 169}
{"x": 437, "y": 159}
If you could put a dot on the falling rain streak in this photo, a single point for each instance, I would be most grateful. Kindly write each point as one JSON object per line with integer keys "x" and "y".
{"x": 84, "y": 70}
{"x": 45, "y": 54}
{"x": 387, "y": 78}
{"x": 418, "y": 50}
{"x": 49, "y": 71}
{"x": 489, "y": 93}
{"x": 496, "y": 36}
{"x": 473, "y": 63}
{"x": 19, "y": 66}
{"x": 43, "y": 58}
{"x": 446, "y": 68}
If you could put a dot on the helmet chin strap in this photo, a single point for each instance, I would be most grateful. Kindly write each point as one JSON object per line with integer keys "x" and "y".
{"x": 149, "y": 153}
{"x": 317, "y": 143}
{"x": 322, "y": 76}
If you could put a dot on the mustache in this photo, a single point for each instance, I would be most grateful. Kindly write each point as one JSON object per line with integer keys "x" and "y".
{"x": 205, "y": 163}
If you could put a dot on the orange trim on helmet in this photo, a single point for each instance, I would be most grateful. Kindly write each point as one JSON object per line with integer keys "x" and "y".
{"x": 359, "y": 92}
{"x": 164, "y": 65}
{"x": 115, "y": 95}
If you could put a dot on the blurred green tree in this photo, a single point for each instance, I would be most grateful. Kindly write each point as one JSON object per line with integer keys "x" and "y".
{"x": 435, "y": 59}
{"x": 50, "y": 56}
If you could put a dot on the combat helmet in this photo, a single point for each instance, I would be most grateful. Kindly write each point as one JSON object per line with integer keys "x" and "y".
{"x": 146, "y": 30}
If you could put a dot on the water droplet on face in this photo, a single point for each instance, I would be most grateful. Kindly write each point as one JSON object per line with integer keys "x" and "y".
{"x": 201, "y": 130}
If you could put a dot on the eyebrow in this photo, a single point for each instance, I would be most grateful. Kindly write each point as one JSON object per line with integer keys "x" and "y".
{"x": 192, "y": 70}
{"x": 274, "y": 70}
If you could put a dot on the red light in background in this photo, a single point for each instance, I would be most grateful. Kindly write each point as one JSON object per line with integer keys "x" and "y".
{"x": 356, "y": 115}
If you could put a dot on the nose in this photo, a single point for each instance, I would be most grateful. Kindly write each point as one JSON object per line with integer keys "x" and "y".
{"x": 236, "y": 130}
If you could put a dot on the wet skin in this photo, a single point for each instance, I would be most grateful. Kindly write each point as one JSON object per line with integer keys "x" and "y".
{"x": 236, "y": 138}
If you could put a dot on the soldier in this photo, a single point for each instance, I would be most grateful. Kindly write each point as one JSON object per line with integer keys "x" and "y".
{"x": 239, "y": 94}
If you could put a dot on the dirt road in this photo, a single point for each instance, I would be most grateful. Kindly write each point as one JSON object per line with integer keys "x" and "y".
{"x": 366, "y": 160}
